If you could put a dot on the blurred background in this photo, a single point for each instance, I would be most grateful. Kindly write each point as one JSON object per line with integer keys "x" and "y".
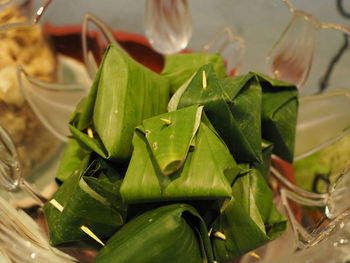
{"x": 258, "y": 22}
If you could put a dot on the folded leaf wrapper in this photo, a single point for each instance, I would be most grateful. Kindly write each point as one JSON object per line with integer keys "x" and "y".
{"x": 173, "y": 233}
{"x": 122, "y": 95}
{"x": 179, "y": 68}
{"x": 92, "y": 200}
{"x": 233, "y": 106}
{"x": 279, "y": 115}
{"x": 212, "y": 151}
{"x": 183, "y": 159}
{"x": 264, "y": 166}
{"x": 75, "y": 159}
{"x": 249, "y": 219}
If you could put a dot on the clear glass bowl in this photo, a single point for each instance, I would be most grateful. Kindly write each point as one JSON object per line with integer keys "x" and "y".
{"x": 255, "y": 25}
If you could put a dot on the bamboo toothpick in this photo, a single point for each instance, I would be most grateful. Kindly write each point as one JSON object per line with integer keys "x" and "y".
{"x": 166, "y": 121}
{"x": 254, "y": 255}
{"x": 204, "y": 80}
{"x": 210, "y": 230}
{"x": 90, "y": 133}
{"x": 91, "y": 234}
{"x": 220, "y": 235}
{"x": 85, "y": 229}
{"x": 56, "y": 204}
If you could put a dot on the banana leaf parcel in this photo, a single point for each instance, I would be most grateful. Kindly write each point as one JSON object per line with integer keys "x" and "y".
{"x": 279, "y": 115}
{"x": 264, "y": 166}
{"x": 184, "y": 155}
{"x": 173, "y": 233}
{"x": 179, "y": 68}
{"x": 249, "y": 219}
{"x": 91, "y": 199}
{"x": 178, "y": 156}
{"x": 75, "y": 159}
{"x": 122, "y": 95}
{"x": 233, "y": 106}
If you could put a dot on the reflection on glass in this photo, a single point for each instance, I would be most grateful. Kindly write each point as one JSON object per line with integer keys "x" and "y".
{"x": 291, "y": 56}
{"x": 10, "y": 169}
{"x": 10, "y": 7}
{"x": 168, "y": 25}
{"x": 339, "y": 195}
{"x": 322, "y": 120}
{"x": 54, "y": 103}
{"x": 22, "y": 240}
{"x": 102, "y": 33}
{"x": 10, "y": 172}
{"x": 334, "y": 201}
{"x": 335, "y": 247}
{"x": 230, "y": 47}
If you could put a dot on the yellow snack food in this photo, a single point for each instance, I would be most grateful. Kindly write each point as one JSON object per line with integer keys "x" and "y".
{"x": 28, "y": 48}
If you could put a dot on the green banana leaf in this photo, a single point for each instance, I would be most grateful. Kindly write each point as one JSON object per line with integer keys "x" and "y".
{"x": 75, "y": 159}
{"x": 123, "y": 94}
{"x": 233, "y": 106}
{"x": 91, "y": 199}
{"x": 198, "y": 164}
{"x": 249, "y": 219}
{"x": 180, "y": 67}
{"x": 264, "y": 166}
{"x": 279, "y": 115}
{"x": 180, "y": 130}
{"x": 173, "y": 233}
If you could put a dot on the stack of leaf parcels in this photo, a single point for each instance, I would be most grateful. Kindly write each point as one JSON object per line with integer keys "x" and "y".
{"x": 173, "y": 179}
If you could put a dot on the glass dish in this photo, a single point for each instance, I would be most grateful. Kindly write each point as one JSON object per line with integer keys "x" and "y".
{"x": 29, "y": 49}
